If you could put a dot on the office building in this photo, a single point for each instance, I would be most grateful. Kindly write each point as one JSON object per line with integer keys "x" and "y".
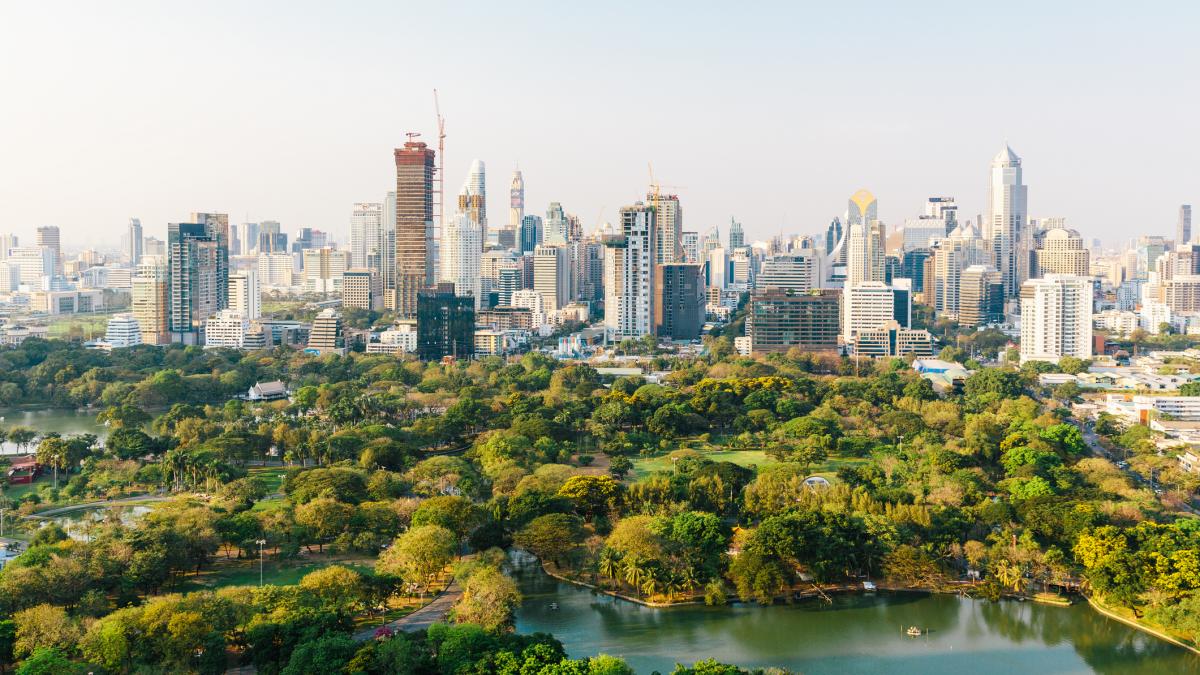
{"x": 864, "y": 240}
{"x": 868, "y": 305}
{"x": 362, "y": 288}
{"x": 326, "y": 335}
{"x": 246, "y": 238}
{"x": 778, "y": 320}
{"x": 1181, "y": 294}
{"x": 123, "y": 331}
{"x": 1183, "y": 227}
{"x": 718, "y": 268}
{"x": 668, "y": 232}
{"x": 833, "y": 236}
{"x": 414, "y": 226}
{"x": 555, "y": 227}
{"x": 552, "y": 275}
{"x": 34, "y": 262}
{"x": 366, "y": 235}
{"x": 49, "y": 237}
{"x": 1061, "y": 251}
{"x": 472, "y": 199}
{"x": 227, "y": 328}
{"x": 7, "y": 241}
{"x": 912, "y": 266}
{"x": 196, "y": 287}
{"x": 963, "y": 248}
{"x": 629, "y": 290}
{"x": 149, "y": 301}
{"x": 276, "y": 269}
{"x": 1006, "y": 226}
{"x": 462, "y": 245}
{"x": 530, "y": 234}
{"x": 1056, "y": 318}
{"x": 323, "y": 269}
{"x": 153, "y": 246}
{"x": 135, "y": 242}
{"x": 737, "y": 237}
{"x": 679, "y": 306}
{"x": 892, "y": 340}
{"x": 245, "y": 295}
{"x": 922, "y": 232}
{"x": 445, "y": 325}
{"x": 216, "y": 226}
{"x": 691, "y": 247}
{"x": 981, "y": 296}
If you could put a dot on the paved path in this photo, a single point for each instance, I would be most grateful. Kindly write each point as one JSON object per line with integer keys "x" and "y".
{"x": 90, "y": 505}
{"x": 423, "y": 618}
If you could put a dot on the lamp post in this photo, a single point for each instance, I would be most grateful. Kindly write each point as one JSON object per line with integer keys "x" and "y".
{"x": 261, "y": 543}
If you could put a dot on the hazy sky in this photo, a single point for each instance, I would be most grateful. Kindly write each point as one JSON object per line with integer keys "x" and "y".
{"x": 771, "y": 112}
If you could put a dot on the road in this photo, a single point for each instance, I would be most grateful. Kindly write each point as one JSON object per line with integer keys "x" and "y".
{"x": 48, "y": 513}
{"x": 1093, "y": 443}
{"x": 437, "y": 610}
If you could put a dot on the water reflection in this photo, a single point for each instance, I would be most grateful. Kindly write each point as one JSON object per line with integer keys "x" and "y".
{"x": 856, "y": 634}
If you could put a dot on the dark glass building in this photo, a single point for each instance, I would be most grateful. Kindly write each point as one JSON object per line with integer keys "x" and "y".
{"x": 445, "y": 324}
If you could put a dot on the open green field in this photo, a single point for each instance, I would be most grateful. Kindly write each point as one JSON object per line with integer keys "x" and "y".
{"x": 279, "y": 572}
{"x": 88, "y": 326}
{"x": 648, "y": 465}
{"x": 272, "y": 475}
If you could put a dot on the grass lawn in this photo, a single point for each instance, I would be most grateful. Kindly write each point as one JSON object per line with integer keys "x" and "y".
{"x": 91, "y": 326}
{"x": 273, "y": 475}
{"x": 648, "y": 465}
{"x": 244, "y": 572}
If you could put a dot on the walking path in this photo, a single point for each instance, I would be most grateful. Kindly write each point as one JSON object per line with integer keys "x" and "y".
{"x": 437, "y": 610}
{"x": 89, "y": 505}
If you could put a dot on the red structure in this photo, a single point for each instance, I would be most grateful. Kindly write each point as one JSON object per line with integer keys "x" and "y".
{"x": 24, "y": 470}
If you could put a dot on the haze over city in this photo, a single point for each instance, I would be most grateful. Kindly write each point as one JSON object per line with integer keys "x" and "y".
{"x": 773, "y": 114}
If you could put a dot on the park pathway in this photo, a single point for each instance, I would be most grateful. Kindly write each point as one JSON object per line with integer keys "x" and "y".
{"x": 437, "y": 610}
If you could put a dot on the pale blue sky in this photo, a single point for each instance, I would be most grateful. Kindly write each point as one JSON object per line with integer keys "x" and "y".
{"x": 773, "y": 112}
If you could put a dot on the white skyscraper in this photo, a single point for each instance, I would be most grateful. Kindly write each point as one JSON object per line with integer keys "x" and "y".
{"x": 629, "y": 275}
{"x": 668, "y": 229}
{"x": 864, "y": 243}
{"x": 245, "y": 295}
{"x": 516, "y": 200}
{"x": 867, "y": 306}
{"x": 554, "y": 228}
{"x": 1056, "y": 318}
{"x": 366, "y": 235}
{"x": 462, "y": 245}
{"x": 552, "y": 276}
{"x": 1005, "y": 228}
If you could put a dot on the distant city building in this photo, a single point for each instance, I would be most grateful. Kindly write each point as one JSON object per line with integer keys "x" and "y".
{"x": 323, "y": 269}
{"x": 367, "y": 241}
{"x": 326, "y": 336}
{"x": 691, "y": 247}
{"x": 865, "y": 241}
{"x": 679, "y": 306}
{"x": 892, "y": 340}
{"x": 737, "y": 237}
{"x": 552, "y": 275}
{"x": 516, "y": 200}
{"x": 867, "y": 306}
{"x": 472, "y": 199}
{"x": 123, "y": 331}
{"x": 554, "y": 228}
{"x": 1183, "y": 227}
{"x": 668, "y": 232}
{"x": 196, "y": 287}
{"x": 150, "y": 304}
{"x": 245, "y": 295}
{"x": 794, "y": 272}
{"x": 1007, "y": 226}
{"x": 414, "y": 226}
{"x": 778, "y": 320}
{"x": 1056, "y": 318}
{"x": 227, "y": 328}
{"x": 462, "y": 246}
{"x": 49, "y": 237}
{"x": 1061, "y": 251}
{"x": 276, "y": 269}
{"x": 629, "y": 291}
{"x": 981, "y": 296}
{"x": 135, "y": 242}
{"x": 362, "y": 288}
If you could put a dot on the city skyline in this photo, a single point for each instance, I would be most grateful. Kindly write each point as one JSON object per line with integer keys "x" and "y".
{"x": 770, "y": 145}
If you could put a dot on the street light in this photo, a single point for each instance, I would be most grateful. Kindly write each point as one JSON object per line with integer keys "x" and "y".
{"x": 261, "y": 543}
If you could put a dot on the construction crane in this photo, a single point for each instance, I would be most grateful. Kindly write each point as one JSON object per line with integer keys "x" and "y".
{"x": 656, "y": 188}
{"x": 438, "y": 181}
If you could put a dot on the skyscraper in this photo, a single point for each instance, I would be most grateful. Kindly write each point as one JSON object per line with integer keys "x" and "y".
{"x": 193, "y": 280}
{"x": 135, "y": 242}
{"x": 629, "y": 291}
{"x": 864, "y": 244}
{"x": 833, "y": 236}
{"x": 150, "y": 301}
{"x": 1061, "y": 251}
{"x": 552, "y": 276}
{"x": 668, "y": 237}
{"x": 247, "y": 238}
{"x": 679, "y": 303}
{"x": 462, "y": 245}
{"x": 245, "y": 295}
{"x": 216, "y": 225}
{"x": 472, "y": 199}
{"x": 691, "y": 247}
{"x": 445, "y": 325}
{"x": 366, "y": 235}
{"x": 981, "y": 296}
{"x": 516, "y": 200}
{"x": 531, "y": 233}
{"x": 1006, "y": 228}
{"x": 1183, "y": 229}
{"x": 1056, "y": 318}
{"x": 414, "y": 225}
{"x": 554, "y": 229}
{"x": 737, "y": 237}
{"x": 49, "y": 237}
{"x": 862, "y": 208}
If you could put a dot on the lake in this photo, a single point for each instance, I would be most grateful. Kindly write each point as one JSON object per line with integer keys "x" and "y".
{"x": 858, "y": 633}
{"x": 62, "y": 421}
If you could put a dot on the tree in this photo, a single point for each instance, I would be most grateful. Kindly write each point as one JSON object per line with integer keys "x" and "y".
{"x": 1010, "y": 575}
{"x": 325, "y": 517}
{"x": 488, "y": 599}
{"x": 49, "y": 661}
{"x": 592, "y": 495}
{"x": 340, "y": 589}
{"x": 619, "y": 467}
{"x": 553, "y": 536}
{"x": 44, "y": 626}
{"x": 452, "y": 512}
{"x": 325, "y": 655}
{"x": 418, "y": 555}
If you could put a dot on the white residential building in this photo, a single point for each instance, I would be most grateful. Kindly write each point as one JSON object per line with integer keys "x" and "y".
{"x": 867, "y": 306}
{"x": 366, "y": 235}
{"x": 275, "y": 269}
{"x": 245, "y": 295}
{"x": 123, "y": 331}
{"x": 629, "y": 275}
{"x": 552, "y": 275}
{"x": 462, "y": 245}
{"x": 1056, "y": 318}
{"x": 226, "y": 328}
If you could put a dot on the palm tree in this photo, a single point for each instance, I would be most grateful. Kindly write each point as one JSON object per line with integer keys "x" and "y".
{"x": 635, "y": 571}
{"x": 1010, "y": 575}
{"x": 610, "y": 564}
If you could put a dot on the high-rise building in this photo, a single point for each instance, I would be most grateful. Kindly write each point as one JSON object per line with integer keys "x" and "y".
{"x": 963, "y": 248}
{"x": 276, "y": 269}
{"x": 922, "y": 232}
{"x": 737, "y": 237}
{"x": 216, "y": 225}
{"x": 7, "y": 241}
{"x": 1006, "y": 226}
{"x": 326, "y": 336}
{"x": 691, "y": 247}
{"x": 833, "y": 236}
{"x": 135, "y": 242}
{"x": 445, "y": 325}
{"x": 944, "y": 209}
{"x": 270, "y": 238}
{"x": 779, "y": 319}
{"x": 866, "y": 306}
{"x": 912, "y": 266}
{"x": 1061, "y": 251}
{"x": 864, "y": 243}
{"x": 552, "y": 276}
{"x": 366, "y": 235}
{"x": 718, "y": 268}
{"x": 414, "y": 226}
{"x": 797, "y": 272}
{"x": 516, "y": 200}
{"x": 629, "y": 291}
{"x": 245, "y": 295}
{"x": 388, "y": 271}
{"x": 473, "y": 197}
{"x": 510, "y": 281}
{"x": 49, "y": 237}
{"x": 196, "y": 285}
{"x": 555, "y": 227}
{"x": 981, "y": 296}
{"x": 531, "y": 233}
{"x": 247, "y": 238}
{"x": 1056, "y": 318}
{"x": 150, "y": 304}
{"x": 227, "y": 328}
{"x": 1183, "y": 228}
{"x": 362, "y": 288}
{"x": 741, "y": 268}
{"x": 153, "y": 246}
{"x": 679, "y": 305}
{"x": 34, "y": 262}
{"x": 668, "y": 237}
{"x": 462, "y": 244}
{"x": 323, "y": 269}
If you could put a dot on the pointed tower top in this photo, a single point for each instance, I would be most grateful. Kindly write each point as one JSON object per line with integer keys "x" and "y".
{"x": 1006, "y": 157}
